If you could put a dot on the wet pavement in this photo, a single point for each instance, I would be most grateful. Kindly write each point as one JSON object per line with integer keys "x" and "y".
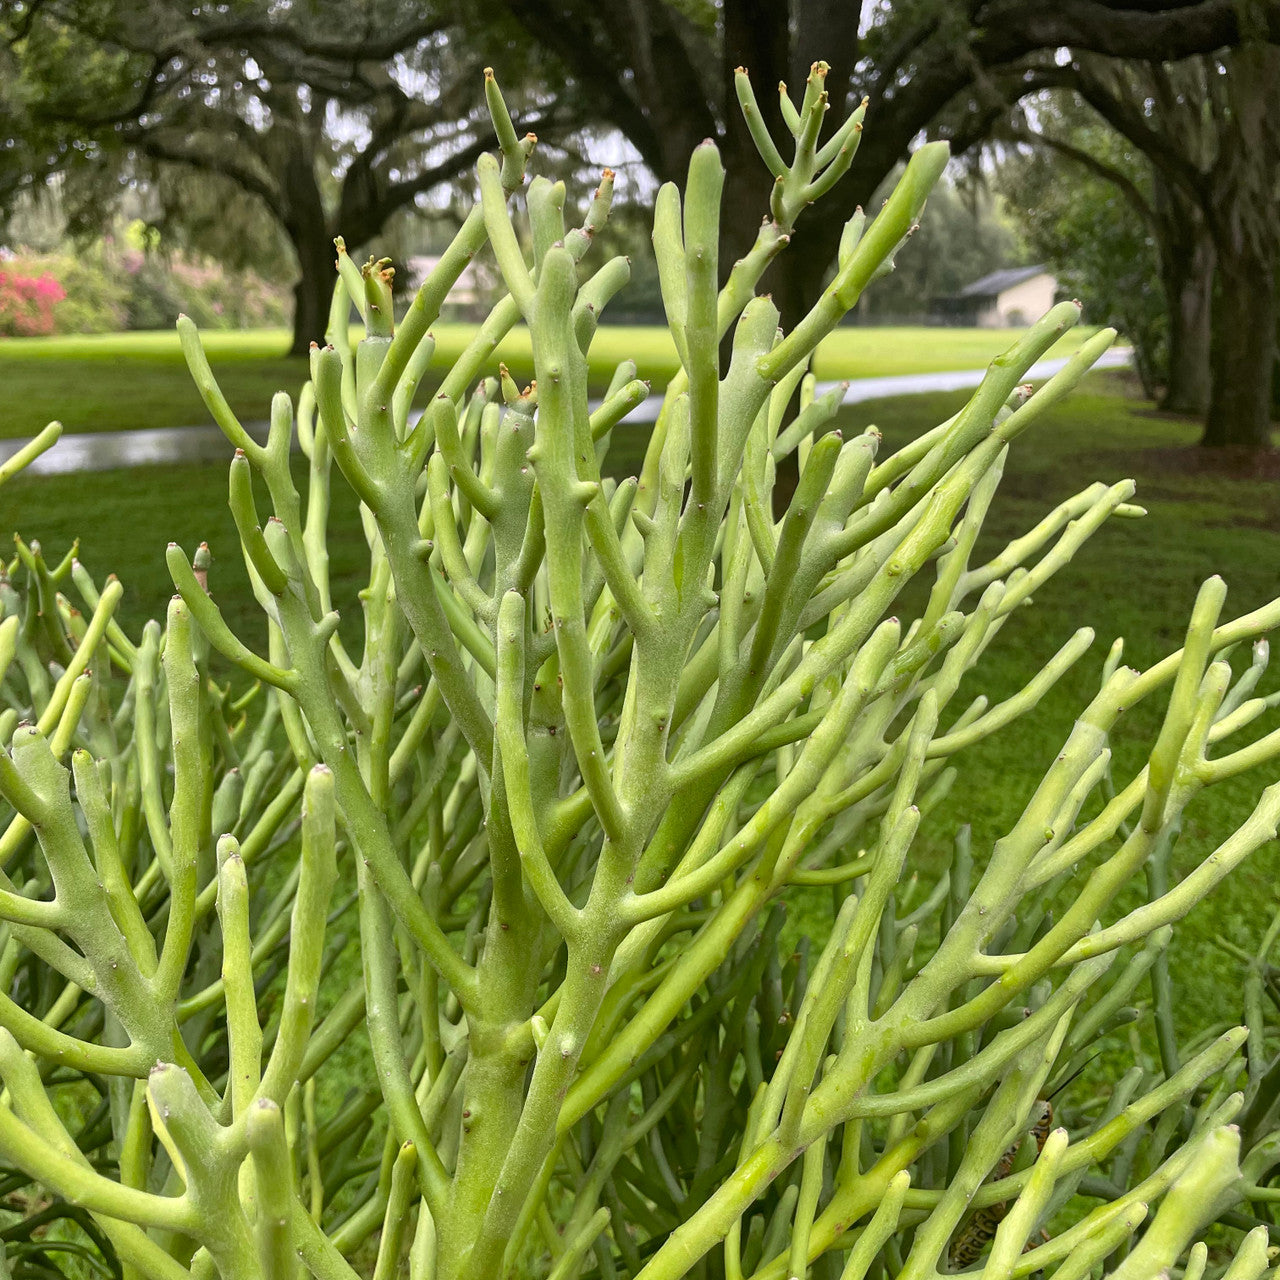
{"x": 107, "y": 450}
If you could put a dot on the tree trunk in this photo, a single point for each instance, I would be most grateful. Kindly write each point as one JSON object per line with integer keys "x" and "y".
{"x": 1187, "y": 273}
{"x": 311, "y": 297}
{"x": 1241, "y": 213}
{"x": 798, "y": 275}
{"x": 312, "y": 238}
{"x": 1244, "y": 348}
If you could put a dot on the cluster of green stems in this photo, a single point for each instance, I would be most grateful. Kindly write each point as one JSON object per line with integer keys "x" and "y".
{"x": 562, "y": 763}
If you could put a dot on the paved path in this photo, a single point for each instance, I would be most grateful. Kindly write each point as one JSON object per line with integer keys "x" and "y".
{"x": 106, "y": 450}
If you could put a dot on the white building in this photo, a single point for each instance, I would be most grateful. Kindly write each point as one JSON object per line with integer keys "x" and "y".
{"x": 1008, "y": 298}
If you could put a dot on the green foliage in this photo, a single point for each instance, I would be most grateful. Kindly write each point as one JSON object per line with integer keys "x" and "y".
{"x": 161, "y": 288}
{"x": 581, "y": 745}
{"x": 95, "y": 299}
{"x": 1098, "y": 244}
{"x": 967, "y": 234}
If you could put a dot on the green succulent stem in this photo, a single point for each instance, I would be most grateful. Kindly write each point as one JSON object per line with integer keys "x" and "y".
{"x": 434, "y": 926}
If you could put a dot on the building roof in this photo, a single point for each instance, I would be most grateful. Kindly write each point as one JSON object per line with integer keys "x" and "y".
{"x": 998, "y": 281}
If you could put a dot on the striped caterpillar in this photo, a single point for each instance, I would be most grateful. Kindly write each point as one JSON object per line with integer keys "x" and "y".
{"x": 974, "y": 1236}
{"x": 977, "y": 1231}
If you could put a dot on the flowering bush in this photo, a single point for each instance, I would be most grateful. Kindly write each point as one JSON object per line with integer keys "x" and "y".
{"x": 163, "y": 287}
{"x": 27, "y": 303}
{"x": 103, "y": 288}
{"x": 90, "y": 298}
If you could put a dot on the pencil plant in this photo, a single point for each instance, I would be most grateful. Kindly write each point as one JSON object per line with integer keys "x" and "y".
{"x": 566, "y": 759}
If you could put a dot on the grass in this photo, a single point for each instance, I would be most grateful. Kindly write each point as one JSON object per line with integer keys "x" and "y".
{"x": 113, "y": 382}
{"x": 1135, "y": 578}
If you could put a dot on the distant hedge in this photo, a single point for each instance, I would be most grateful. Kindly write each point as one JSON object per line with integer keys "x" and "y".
{"x": 107, "y": 288}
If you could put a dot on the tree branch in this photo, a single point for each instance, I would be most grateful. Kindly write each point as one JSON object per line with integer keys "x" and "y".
{"x": 1012, "y": 29}
{"x": 1099, "y": 168}
{"x": 1126, "y": 119}
{"x": 156, "y": 148}
{"x": 378, "y": 48}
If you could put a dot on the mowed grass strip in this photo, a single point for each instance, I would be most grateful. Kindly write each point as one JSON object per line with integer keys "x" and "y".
{"x": 119, "y": 381}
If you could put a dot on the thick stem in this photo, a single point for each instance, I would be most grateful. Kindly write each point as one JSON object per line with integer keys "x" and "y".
{"x": 1244, "y": 352}
{"x": 1187, "y": 273}
{"x": 1242, "y": 217}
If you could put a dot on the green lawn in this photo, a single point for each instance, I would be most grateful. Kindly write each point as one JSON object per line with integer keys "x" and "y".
{"x": 112, "y": 382}
{"x": 1135, "y": 578}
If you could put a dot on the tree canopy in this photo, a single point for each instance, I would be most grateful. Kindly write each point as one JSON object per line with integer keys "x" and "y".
{"x": 330, "y": 117}
{"x": 662, "y": 71}
{"x": 325, "y": 117}
{"x": 1200, "y": 166}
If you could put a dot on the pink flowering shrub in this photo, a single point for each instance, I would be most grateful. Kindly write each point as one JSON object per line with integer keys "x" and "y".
{"x": 102, "y": 289}
{"x": 84, "y": 293}
{"x": 220, "y": 298}
{"x": 27, "y": 303}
